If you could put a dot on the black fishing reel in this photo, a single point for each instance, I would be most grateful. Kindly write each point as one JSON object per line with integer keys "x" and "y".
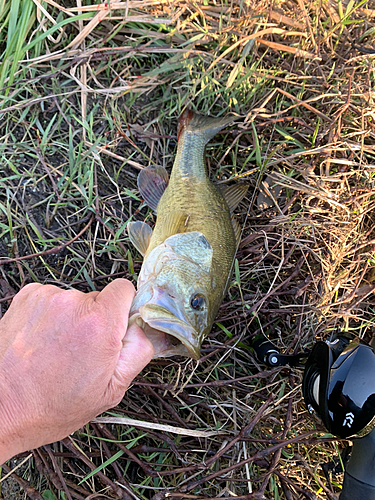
{"x": 339, "y": 386}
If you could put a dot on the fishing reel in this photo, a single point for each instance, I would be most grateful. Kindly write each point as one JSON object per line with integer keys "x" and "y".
{"x": 338, "y": 383}
{"x": 339, "y": 386}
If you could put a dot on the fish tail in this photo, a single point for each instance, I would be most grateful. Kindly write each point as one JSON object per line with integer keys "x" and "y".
{"x": 205, "y": 126}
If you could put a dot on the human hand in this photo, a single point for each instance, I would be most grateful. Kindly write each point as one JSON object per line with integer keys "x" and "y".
{"x": 65, "y": 357}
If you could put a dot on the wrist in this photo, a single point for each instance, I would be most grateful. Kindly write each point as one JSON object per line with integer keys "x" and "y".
{"x": 11, "y": 430}
{"x": 9, "y": 442}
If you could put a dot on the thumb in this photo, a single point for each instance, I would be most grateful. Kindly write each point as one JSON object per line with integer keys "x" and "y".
{"x": 117, "y": 297}
{"x": 136, "y": 353}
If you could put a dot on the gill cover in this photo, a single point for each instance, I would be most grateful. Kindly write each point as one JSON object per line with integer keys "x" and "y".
{"x": 339, "y": 384}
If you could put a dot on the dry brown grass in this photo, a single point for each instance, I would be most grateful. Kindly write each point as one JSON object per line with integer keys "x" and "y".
{"x": 96, "y": 100}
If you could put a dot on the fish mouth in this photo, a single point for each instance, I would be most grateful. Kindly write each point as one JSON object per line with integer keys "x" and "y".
{"x": 166, "y": 326}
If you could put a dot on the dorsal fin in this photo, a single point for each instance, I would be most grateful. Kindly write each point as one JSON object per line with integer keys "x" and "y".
{"x": 233, "y": 194}
{"x": 140, "y": 235}
{"x": 152, "y": 182}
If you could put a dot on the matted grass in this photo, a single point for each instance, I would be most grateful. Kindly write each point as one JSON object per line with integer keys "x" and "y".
{"x": 90, "y": 94}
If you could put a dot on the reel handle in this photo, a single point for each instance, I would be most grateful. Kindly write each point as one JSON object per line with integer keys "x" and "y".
{"x": 267, "y": 353}
{"x": 359, "y": 478}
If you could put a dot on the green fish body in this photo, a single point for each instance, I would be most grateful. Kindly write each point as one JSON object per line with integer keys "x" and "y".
{"x": 189, "y": 256}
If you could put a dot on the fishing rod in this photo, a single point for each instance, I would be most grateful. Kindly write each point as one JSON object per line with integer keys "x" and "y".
{"x": 338, "y": 386}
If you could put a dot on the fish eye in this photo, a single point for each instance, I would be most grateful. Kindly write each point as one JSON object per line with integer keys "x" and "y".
{"x": 197, "y": 302}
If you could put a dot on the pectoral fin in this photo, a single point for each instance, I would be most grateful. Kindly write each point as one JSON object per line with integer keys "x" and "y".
{"x": 233, "y": 194}
{"x": 140, "y": 235}
{"x": 152, "y": 182}
{"x": 174, "y": 224}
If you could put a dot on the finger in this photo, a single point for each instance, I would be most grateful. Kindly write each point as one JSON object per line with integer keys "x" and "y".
{"x": 118, "y": 295}
{"x": 136, "y": 353}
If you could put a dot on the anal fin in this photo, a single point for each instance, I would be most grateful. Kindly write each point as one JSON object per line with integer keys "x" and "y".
{"x": 237, "y": 230}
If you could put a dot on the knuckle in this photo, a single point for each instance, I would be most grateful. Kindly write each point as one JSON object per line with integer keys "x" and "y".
{"x": 117, "y": 398}
{"x": 27, "y": 290}
{"x": 91, "y": 325}
{"x": 61, "y": 299}
{"x": 32, "y": 293}
{"x": 30, "y": 287}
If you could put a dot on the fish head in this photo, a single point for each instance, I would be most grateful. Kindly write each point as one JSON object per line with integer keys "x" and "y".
{"x": 173, "y": 300}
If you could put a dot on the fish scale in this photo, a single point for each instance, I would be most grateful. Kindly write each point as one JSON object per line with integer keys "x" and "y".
{"x": 204, "y": 208}
{"x": 189, "y": 255}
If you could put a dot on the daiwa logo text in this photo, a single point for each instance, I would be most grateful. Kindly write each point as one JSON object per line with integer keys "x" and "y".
{"x": 348, "y": 420}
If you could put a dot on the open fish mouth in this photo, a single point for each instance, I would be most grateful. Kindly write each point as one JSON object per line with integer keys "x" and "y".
{"x": 165, "y": 325}
{"x": 167, "y": 335}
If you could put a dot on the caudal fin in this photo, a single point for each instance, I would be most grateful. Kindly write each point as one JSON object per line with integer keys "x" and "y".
{"x": 207, "y": 126}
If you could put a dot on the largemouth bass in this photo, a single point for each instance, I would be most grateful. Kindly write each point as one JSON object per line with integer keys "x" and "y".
{"x": 189, "y": 256}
